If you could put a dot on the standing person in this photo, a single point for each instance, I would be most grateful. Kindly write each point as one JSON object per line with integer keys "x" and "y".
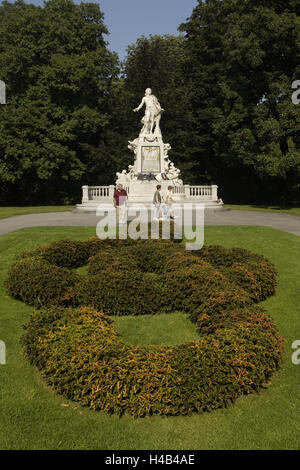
{"x": 120, "y": 200}
{"x": 169, "y": 201}
{"x": 157, "y": 202}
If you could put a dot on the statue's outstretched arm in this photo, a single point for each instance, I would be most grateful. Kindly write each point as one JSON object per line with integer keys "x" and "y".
{"x": 140, "y": 106}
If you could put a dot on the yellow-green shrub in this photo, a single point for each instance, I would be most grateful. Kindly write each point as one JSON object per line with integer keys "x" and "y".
{"x": 82, "y": 356}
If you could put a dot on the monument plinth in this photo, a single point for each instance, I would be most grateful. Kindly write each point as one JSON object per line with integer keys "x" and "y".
{"x": 152, "y": 164}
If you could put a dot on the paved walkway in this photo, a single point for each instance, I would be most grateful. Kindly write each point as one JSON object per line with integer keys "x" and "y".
{"x": 285, "y": 222}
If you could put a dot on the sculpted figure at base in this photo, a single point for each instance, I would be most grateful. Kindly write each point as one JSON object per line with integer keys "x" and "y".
{"x": 152, "y": 114}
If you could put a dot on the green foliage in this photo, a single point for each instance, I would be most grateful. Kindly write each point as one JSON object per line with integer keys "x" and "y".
{"x": 165, "y": 276}
{"x": 226, "y": 85}
{"x": 113, "y": 261}
{"x": 151, "y": 255}
{"x": 241, "y": 66}
{"x": 220, "y": 301}
{"x": 188, "y": 287}
{"x": 39, "y": 283}
{"x": 82, "y": 356}
{"x": 219, "y": 256}
{"x": 120, "y": 292}
{"x": 65, "y": 253}
{"x": 248, "y": 270}
{"x": 57, "y": 71}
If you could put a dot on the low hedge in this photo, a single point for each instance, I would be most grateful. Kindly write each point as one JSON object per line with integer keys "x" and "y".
{"x": 249, "y": 270}
{"x": 181, "y": 280}
{"x": 151, "y": 255}
{"x": 81, "y": 355}
{"x": 73, "y": 342}
{"x": 120, "y": 293}
{"x": 37, "y": 282}
{"x": 111, "y": 260}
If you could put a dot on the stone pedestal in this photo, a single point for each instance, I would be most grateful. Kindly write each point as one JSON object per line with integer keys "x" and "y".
{"x": 150, "y": 155}
{"x": 152, "y": 166}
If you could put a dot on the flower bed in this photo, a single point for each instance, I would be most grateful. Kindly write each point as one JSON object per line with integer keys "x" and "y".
{"x": 71, "y": 338}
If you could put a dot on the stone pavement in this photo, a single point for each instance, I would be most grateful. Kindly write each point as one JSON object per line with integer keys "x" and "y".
{"x": 285, "y": 222}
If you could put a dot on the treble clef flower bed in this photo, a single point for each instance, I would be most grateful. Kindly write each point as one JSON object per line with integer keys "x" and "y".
{"x": 72, "y": 340}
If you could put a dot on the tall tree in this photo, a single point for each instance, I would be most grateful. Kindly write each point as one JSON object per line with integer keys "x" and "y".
{"x": 58, "y": 71}
{"x": 243, "y": 58}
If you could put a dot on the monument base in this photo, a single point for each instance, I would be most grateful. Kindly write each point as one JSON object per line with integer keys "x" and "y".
{"x": 142, "y": 192}
{"x": 91, "y": 207}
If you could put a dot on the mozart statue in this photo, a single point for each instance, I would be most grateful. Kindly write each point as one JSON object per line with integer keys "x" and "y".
{"x": 152, "y": 114}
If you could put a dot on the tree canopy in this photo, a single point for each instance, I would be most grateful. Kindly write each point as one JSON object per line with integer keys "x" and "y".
{"x": 243, "y": 58}
{"x": 225, "y": 82}
{"x": 58, "y": 70}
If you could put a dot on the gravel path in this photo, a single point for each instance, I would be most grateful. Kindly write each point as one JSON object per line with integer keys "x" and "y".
{"x": 285, "y": 222}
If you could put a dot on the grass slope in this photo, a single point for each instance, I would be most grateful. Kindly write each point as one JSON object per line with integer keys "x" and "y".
{"x": 32, "y": 415}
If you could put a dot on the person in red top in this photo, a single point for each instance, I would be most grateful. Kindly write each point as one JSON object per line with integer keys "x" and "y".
{"x": 120, "y": 200}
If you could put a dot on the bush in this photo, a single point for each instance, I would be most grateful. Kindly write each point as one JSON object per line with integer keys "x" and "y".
{"x": 248, "y": 270}
{"x": 74, "y": 344}
{"x": 265, "y": 273}
{"x": 222, "y": 257}
{"x": 39, "y": 283}
{"x": 181, "y": 260}
{"x": 65, "y": 253}
{"x": 120, "y": 293}
{"x": 80, "y": 354}
{"x": 187, "y": 288}
{"x": 151, "y": 255}
{"x": 175, "y": 280}
{"x": 112, "y": 260}
{"x": 244, "y": 277}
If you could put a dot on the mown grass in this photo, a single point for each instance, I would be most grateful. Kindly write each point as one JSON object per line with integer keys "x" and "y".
{"x": 11, "y": 211}
{"x": 276, "y": 209}
{"x": 32, "y": 415}
{"x": 169, "y": 329}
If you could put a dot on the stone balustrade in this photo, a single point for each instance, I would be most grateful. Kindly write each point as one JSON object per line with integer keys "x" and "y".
{"x": 185, "y": 192}
{"x": 207, "y": 193}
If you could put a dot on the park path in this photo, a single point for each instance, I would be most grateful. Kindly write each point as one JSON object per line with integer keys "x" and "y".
{"x": 285, "y": 222}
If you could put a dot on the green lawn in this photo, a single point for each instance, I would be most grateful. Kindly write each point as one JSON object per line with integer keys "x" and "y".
{"x": 277, "y": 209}
{"x": 10, "y": 211}
{"x": 156, "y": 329}
{"x": 32, "y": 415}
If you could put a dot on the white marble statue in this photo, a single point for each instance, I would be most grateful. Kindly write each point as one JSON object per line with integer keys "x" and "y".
{"x": 152, "y": 114}
{"x": 122, "y": 178}
{"x": 133, "y": 145}
{"x": 173, "y": 174}
{"x": 150, "y": 133}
